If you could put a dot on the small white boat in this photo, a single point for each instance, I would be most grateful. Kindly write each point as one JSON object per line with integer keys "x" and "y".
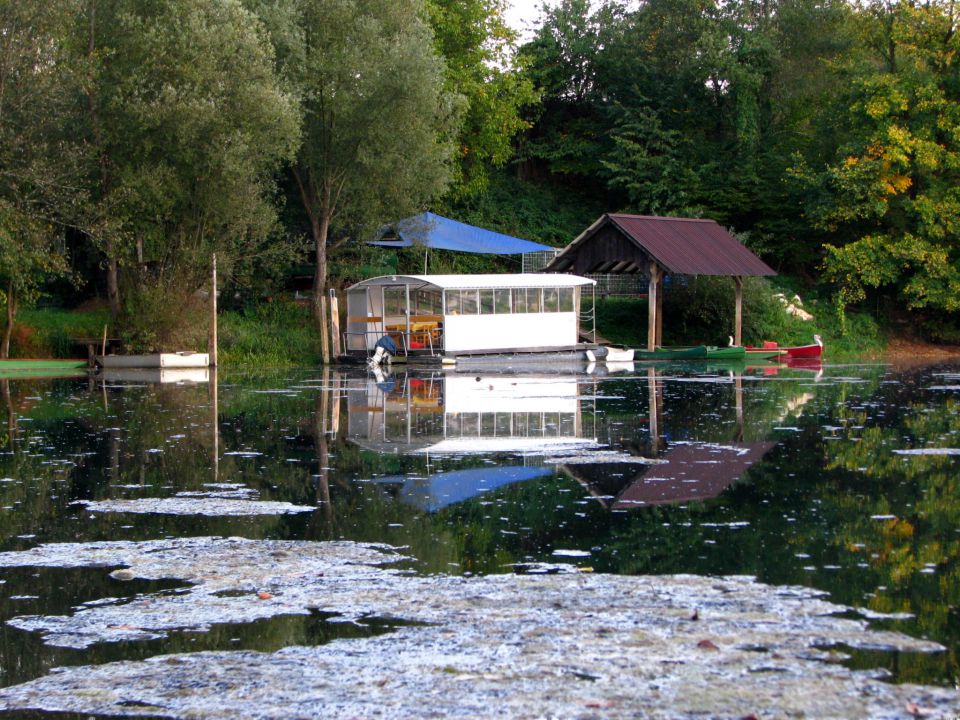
{"x": 618, "y": 355}
{"x": 156, "y": 360}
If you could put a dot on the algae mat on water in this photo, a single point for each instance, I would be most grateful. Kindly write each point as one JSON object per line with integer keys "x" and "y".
{"x": 560, "y": 645}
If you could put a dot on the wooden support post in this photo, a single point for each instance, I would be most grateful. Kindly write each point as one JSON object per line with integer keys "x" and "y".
{"x": 652, "y": 306}
{"x": 660, "y": 310}
{"x": 335, "y": 323}
{"x": 738, "y": 313}
{"x": 212, "y": 344}
{"x": 324, "y": 338}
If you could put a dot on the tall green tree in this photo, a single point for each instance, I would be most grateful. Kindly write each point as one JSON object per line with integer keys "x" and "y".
{"x": 38, "y": 161}
{"x": 890, "y": 194}
{"x": 189, "y": 126}
{"x": 478, "y": 47}
{"x": 378, "y": 126}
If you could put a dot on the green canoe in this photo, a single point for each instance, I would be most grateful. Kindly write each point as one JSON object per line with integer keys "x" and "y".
{"x": 696, "y": 352}
{"x": 44, "y": 367}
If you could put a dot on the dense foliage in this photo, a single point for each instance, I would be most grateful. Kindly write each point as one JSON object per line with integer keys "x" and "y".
{"x": 138, "y": 137}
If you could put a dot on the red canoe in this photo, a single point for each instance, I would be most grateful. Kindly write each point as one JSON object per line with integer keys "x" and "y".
{"x": 793, "y": 353}
{"x": 806, "y": 351}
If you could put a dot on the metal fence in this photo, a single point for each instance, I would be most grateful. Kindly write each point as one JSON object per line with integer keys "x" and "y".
{"x": 606, "y": 284}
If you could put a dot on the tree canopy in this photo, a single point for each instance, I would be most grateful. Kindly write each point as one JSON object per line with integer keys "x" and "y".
{"x": 142, "y": 135}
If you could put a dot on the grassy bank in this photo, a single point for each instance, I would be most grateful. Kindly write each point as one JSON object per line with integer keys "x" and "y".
{"x": 282, "y": 334}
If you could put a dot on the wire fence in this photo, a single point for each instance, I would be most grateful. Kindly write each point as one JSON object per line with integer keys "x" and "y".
{"x": 606, "y": 284}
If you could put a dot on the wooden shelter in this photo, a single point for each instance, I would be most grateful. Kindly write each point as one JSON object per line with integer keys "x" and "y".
{"x": 659, "y": 246}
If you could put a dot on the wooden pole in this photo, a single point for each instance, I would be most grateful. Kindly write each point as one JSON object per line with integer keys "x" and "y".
{"x": 324, "y": 339}
{"x": 335, "y": 323}
{"x": 212, "y": 349}
{"x": 738, "y": 313}
{"x": 103, "y": 345}
{"x": 652, "y": 306}
{"x": 660, "y": 310}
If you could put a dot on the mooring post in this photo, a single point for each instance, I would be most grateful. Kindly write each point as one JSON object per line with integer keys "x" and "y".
{"x": 335, "y": 323}
{"x": 324, "y": 340}
{"x": 212, "y": 343}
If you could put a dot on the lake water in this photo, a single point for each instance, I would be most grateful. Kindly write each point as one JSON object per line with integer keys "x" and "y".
{"x": 842, "y": 478}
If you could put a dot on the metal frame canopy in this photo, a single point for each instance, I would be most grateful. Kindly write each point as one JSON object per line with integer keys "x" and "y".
{"x": 465, "y": 314}
{"x": 618, "y": 243}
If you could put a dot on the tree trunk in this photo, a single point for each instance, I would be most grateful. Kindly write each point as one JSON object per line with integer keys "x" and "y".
{"x": 11, "y": 316}
{"x": 113, "y": 283}
{"x": 320, "y": 227}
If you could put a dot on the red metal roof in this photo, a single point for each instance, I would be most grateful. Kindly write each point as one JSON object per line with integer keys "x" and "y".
{"x": 682, "y": 246}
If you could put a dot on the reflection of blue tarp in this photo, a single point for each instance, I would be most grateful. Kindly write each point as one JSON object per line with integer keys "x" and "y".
{"x": 438, "y": 232}
{"x": 447, "y": 488}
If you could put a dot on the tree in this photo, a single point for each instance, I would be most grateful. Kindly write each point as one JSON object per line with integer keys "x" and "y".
{"x": 378, "y": 126}
{"x": 38, "y": 163}
{"x": 890, "y": 195}
{"x": 477, "y": 46}
{"x": 189, "y": 126}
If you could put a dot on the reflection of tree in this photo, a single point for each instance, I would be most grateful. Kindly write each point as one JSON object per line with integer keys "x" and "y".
{"x": 903, "y": 517}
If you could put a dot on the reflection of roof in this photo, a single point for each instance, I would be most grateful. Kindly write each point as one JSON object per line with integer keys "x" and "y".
{"x": 435, "y": 231}
{"x": 692, "y": 472}
{"x": 446, "y": 488}
{"x": 618, "y": 243}
{"x": 506, "y": 280}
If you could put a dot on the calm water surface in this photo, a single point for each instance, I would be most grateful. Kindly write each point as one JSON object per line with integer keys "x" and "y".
{"x": 843, "y": 478}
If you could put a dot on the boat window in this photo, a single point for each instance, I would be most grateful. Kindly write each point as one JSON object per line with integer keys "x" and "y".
{"x": 534, "y": 302}
{"x": 566, "y": 299}
{"x": 468, "y": 302}
{"x": 453, "y": 302}
{"x": 394, "y": 300}
{"x": 486, "y": 302}
{"x": 501, "y": 301}
{"x": 520, "y": 300}
{"x": 551, "y": 299}
{"x": 428, "y": 302}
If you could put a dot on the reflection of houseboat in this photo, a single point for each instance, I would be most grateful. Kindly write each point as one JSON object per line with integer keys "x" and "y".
{"x": 448, "y": 413}
{"x": 434, "y": 317}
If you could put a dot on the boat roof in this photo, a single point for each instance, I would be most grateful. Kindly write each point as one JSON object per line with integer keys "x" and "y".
{"x": 502, "y": 280}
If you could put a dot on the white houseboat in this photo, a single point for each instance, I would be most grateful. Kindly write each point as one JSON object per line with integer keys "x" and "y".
{"x": 454, "y": 317}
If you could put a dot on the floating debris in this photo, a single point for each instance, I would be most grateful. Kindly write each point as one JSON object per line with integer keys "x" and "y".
{"x": 212, "y": 506}
{"x": 531, "y": 645}
{"x": 928, "y": 451}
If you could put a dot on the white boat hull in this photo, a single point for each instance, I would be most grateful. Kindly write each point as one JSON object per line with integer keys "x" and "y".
{"x": 156, "y": 360}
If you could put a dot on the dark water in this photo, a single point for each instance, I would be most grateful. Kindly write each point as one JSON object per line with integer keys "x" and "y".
{"x": 845, "y": 478}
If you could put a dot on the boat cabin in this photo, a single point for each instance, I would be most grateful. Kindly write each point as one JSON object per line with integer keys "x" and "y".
{"x": 450, "y": 315}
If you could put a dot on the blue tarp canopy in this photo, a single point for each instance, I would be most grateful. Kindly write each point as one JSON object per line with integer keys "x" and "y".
{"x": 434, "y": 231}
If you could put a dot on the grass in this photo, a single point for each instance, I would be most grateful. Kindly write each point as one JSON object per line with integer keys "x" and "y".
{"x": 50, "y": 332}
{"x": 275, "y": 334}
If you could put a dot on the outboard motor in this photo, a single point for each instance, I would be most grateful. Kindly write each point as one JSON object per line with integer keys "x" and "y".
{"x": 384, "y": 350}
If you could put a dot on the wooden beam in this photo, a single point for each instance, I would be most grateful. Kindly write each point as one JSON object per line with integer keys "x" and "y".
{"x": 335, "y": 323}
{"x": 652, "y": 306}
{"x": 660, "y": 310}
{"x": 738, "y": 312}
